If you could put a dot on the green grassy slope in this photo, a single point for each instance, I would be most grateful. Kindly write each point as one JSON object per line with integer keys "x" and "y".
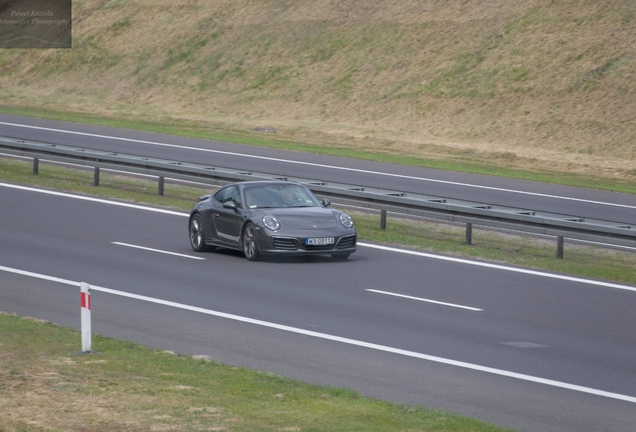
{"x": 533, "y": 84}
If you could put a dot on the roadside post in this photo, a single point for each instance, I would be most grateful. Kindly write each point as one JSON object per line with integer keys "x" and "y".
{"x": 85, "y": 311}
{"x": 85, "y": 304}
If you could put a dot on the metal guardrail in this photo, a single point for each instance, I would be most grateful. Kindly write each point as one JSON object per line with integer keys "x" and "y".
{"x": 386, "y": 200}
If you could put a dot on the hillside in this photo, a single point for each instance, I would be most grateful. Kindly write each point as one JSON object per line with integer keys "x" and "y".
{"x": 536, "y": 84}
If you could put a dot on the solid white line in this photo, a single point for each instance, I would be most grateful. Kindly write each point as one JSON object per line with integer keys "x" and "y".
{"x": 39, "y": 276}
{"x": 424, "y": 300}
{"x": 603, "y": 244}
{"x": 500, "y": 267}
{"x": 98, "y": 200}
{"x": 333, "y": 338}
{"x": 547, "y": 236}
{"x": 67, "y": 195}
{"x": 317, "y": 165}
{"x": 386, "y": 248}
{"x": 158, "y": 250}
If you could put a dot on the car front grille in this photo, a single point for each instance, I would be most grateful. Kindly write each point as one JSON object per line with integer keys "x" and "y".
{"x": 284, "y": 243}
{"x": 347, "y": 242}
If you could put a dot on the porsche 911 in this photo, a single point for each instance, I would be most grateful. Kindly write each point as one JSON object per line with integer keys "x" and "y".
{"x": 265, "y": 218}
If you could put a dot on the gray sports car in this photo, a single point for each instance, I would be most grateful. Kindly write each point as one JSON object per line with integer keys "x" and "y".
{"x": 270, "y": 218}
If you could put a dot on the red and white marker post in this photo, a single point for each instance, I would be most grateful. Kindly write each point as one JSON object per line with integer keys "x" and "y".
{"x": 85, "y": 302}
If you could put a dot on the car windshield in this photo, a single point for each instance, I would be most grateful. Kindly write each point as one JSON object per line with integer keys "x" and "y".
{"x": 279, "y": 196}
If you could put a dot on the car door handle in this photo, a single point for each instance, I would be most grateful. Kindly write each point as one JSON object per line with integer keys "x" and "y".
{"x": 216, "y": 215}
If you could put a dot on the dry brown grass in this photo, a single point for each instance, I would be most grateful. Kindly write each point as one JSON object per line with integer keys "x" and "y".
{"x": 535, "y": 84}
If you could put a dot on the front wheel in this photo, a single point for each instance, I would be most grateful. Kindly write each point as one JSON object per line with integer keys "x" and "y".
{"x": 197, "y": 235}
{"x": 250, "y": 245}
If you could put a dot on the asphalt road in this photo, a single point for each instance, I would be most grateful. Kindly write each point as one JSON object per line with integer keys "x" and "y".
{"x": 524, "y": 350}
{"x": 486, "y": 189}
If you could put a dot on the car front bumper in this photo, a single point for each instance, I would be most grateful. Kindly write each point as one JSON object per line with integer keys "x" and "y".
{"x": 280, "y": 244}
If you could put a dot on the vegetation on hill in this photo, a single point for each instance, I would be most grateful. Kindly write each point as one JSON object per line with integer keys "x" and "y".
{"x": 533, "y": 84}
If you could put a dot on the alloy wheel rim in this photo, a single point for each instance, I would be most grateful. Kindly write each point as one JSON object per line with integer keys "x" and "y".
{"x": 195, "y": 233}
{"x": 249, "y": 244}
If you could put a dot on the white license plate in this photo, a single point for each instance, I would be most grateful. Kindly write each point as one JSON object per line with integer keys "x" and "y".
{"x": 319, "y": 241}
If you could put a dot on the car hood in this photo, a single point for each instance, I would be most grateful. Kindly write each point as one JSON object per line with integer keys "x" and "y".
{"x": 306, "y": 217}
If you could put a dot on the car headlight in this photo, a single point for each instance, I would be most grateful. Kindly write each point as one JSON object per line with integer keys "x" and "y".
{"x": 346, "y": 220}
{"x": 271, "y": 222}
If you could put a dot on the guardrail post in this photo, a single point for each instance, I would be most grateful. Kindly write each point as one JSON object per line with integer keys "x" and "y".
{"x": 160, "y": 185}
{"x": 560, "y": 247}
{"x": 36, "y": 166}
{"x": 85, "y": 303}
{"x": 469, "y": 233}
{"x": 96, "y": 177}
{"x": 383, "y": 220}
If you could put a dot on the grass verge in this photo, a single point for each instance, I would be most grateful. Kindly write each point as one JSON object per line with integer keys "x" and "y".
{"x": 521, "y": 250}
{"x": 44, "y": 387}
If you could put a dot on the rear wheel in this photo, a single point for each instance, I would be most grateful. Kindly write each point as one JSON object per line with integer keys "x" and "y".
{"x": 250, "y": 245}
{"x": 342, "y": 256}
{"x": 197, "y": 235}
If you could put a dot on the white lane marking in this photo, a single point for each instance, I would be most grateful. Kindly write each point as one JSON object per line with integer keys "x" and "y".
{"x": 424, "y": 300}
{"x": 157, "y": 250}
{"x": 547, "y": 236}
{"x": 501, "y": 267}
{"x": 319, "y": 165}
{"x": 92, "y": 199}
{"x": 372, "y": 246}
{"x": 67, "y": 195}
{"x": 39, "y": 276}
{"x": 603, "y": 244}
{"x": 333, "y": 338}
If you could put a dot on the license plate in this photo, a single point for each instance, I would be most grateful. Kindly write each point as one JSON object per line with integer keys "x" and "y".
{"x": 319, "y": 241}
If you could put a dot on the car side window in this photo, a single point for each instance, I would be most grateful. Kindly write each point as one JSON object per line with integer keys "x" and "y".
{"x": 229, "y": 194}
{"x": 219, "y": 195}
{"x": 233, "y": 194}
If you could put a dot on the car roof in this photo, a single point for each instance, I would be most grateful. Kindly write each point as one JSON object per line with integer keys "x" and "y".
{"x": 265, "y": 182}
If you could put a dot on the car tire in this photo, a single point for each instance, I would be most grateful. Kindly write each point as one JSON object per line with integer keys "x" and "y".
{"x": 339, "y": 257}
{"x": 249, "y": 242}
{"x": 197, "y": 234}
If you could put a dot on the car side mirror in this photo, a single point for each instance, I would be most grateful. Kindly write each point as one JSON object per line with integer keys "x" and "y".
{"x": 325, "y": 202}
{"x": 230, "y": 205}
